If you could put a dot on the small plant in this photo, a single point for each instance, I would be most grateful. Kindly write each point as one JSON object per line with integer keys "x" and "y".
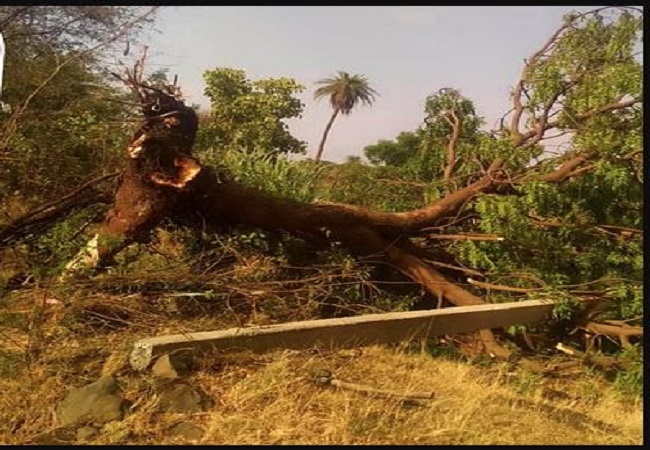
{"x": 526, "y": 382}
{"x": 629, "y": 381}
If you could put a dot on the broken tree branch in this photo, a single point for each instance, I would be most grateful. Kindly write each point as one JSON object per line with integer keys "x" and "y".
{"x": 464, "y": 270}
{"x": 326, "y": 378}
{"x": 614, "y": 330}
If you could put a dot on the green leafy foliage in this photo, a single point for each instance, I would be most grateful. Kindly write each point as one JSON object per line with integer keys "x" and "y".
{"x": 394, "y": 153}
{"x": 346, "y": 91}
{"x": 62, "y": 124}
{"x": 629, "y": 382}
{"x": 49, "y": 252}
{"x": 274, "y": 174}
{"x": 249, "y": 115}
{"x": 582, "y": 234}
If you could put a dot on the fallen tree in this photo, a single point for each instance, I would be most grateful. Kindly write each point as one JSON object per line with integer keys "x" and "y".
{"x": 163, "y": 179}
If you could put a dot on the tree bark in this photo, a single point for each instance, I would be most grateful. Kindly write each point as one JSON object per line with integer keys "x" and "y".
{"x": 321, "y": 146}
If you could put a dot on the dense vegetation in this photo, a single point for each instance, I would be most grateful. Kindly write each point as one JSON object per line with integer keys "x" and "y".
{"x": 570, "y": 221}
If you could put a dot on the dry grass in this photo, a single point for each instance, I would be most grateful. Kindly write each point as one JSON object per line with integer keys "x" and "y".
{"x": 280, "y": 404}
{"x": 273, "y": 399}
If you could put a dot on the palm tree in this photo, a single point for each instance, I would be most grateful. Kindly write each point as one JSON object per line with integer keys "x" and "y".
{"x": 345, "y": 91}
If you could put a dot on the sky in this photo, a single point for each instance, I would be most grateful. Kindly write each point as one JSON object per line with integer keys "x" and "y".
{"x": 406, "y": 53}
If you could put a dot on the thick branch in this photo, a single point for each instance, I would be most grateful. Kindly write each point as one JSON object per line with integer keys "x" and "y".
{"x": 563, "y": 172}
{"x": 366, "y": 241}
{"x": 229, "y": 200}
{"x": 622, "y": 230}
{"x": 614, "y": 330}
{"x": 519, "y": 91}
{"x": 451, "y": 146}
{"x": 538, "y": 132}
{"x": 622, "y": 331}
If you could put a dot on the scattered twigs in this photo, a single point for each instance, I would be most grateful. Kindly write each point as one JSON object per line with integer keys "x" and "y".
{"x": 326, "y": 378}
{"x": 464, "y": 270}
{"x": 45, "y": 214}
{"x": 146, "y": 92}
{"x": 602, "y": 361}
{"x": 623, "y": 331}
{"x": 500, "y": 287}
{"x": 610, "y": 230}
{"x": 520, "y": 290}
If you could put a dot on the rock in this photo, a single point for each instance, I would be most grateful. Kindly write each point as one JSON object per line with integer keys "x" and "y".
{"x": 163, "y": 368}
{"x": 181, "y": 398}
{"x": 173, "y": 365}
{"x": 86, "y": 433}
{"x": 108, "y": 408}
{"x": 96, "y": 402}
{"x": 187, "y": 430}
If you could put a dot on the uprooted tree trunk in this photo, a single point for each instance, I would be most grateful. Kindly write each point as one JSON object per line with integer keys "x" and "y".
{"x": 162, "y": 180}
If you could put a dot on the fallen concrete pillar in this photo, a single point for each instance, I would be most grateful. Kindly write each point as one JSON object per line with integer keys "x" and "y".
{"x": 348, "y": 331}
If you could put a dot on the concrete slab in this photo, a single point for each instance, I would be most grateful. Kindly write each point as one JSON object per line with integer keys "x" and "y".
{"x": 349, "y": 331}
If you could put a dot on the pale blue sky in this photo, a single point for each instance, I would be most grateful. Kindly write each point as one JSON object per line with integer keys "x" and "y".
{"x": 407, "y": 53}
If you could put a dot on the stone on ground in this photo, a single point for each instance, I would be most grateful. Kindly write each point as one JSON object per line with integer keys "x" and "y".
{"x": 96, "y": 402}
{"x": 187, "y": 430}
{"x": 181, "y": 398}
{"x": 86, "y": 433}
{"x": 172, "y": 365}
